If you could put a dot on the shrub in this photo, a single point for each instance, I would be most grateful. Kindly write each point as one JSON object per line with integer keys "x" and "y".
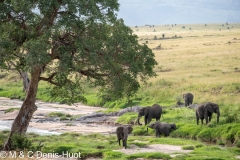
{"x": 20, "y": 142}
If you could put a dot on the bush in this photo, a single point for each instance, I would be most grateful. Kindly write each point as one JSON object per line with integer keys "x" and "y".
{"x": 20, "y": 142}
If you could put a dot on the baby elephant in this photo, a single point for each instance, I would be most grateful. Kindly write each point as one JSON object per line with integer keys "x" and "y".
{"x": 162, "y": 127}
{"x": 122, "y": 134}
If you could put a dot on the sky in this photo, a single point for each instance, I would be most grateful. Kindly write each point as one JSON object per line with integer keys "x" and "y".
{"x": 160, "y": 12}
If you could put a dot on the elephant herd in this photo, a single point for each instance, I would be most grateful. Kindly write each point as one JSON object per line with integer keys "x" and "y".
{"x": 203, "y": 111}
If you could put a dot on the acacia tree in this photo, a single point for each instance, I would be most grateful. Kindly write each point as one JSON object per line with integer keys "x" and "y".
{"x": 66, "y": 42}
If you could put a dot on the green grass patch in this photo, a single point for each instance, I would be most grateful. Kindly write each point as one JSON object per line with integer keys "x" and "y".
{"x": 60, "y": 115}
{"x": 152, "y": 155}
{"x": 128, "y": 118}
{"x": 188, "y": 147}
{"x": 11, "y": 110}
{"x": 113, "y": 155}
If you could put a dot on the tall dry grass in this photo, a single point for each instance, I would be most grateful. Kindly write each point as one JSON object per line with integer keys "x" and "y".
{"x": 204, "y": 60}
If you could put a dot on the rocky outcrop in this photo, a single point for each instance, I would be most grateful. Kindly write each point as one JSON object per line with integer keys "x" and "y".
{"x": 103, "y": 117}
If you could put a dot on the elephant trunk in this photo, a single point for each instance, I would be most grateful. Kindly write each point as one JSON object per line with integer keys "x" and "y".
{"x": 138, "y": 120}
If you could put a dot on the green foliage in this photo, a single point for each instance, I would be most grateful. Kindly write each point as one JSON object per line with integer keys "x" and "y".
{"x": 22, "y": 142}
{"x": 3, "y": 136}
{"x": 71, "y": 50}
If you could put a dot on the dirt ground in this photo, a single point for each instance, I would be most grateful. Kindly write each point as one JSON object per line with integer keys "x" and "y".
{"x": 54, "y": 126}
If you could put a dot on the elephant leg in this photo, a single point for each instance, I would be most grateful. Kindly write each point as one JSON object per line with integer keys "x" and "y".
{"x": 197, "y": 118}
{"x": 210, "y": 117}
{"x": 145, "y": 120}
{"x": 206, "y": 117}
{"x": 156, "y": 133}
{"x": 166, "y": 134}
{"x": 119, "y": 141}
{"x": 149, "y": 120}
{"x": 202, "y": 121}
{"x": 125, "y": 143}
{"x": 206, "y": 120}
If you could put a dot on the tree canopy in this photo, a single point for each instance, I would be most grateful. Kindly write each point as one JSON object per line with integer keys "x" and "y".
{"x": 66, "y": 42}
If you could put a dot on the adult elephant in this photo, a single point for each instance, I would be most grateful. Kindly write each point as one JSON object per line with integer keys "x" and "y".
{"x": 188, "y": 98}
{"x": 205, "y": 111}
{"x": 150, "y": 112}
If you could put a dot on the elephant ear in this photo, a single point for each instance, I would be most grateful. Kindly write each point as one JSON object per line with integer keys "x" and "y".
{"x": 146, "y": 111}
{"x": 209, "y": 106}
{"x": 130, "y": 129}
{"x": 183, "y": 95}
{"x": 119, "y": 130}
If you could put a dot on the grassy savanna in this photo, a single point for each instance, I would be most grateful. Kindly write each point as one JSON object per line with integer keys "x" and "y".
{"x": 203, "y": 60}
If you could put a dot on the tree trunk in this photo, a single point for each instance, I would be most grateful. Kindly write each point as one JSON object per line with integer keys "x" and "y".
{"x": 26, "y": 81}
{"x": 21, "y": 122}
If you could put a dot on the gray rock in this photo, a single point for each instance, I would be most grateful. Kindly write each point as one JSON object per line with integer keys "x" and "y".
{"x": 119, "y": 113}
{"x": 193, "y": 106}
{"x": 125, "y": 110}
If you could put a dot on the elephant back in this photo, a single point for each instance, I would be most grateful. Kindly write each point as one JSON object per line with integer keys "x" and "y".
{"x": 200, "y": 110}
{"x": 156, "y": 111}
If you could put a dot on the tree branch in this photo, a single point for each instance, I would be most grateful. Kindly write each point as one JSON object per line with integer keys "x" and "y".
{"x": 50, "y": 79}
{"x": 92, "y": 73}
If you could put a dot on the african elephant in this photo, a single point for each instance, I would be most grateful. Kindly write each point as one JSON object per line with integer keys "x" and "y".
{"x": 205, "y": 111}
{"x": 122, "y": 134}
{"x": 162, "y": 127}
{"x": 150, "y": 112}
{"x": 188, "y": 98}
